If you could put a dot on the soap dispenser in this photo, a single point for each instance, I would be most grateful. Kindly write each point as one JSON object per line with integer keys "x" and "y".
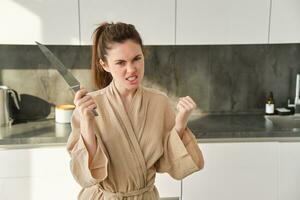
{"x": 270, "y": 105}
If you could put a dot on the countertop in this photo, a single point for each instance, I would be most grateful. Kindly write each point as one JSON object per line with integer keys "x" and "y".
{"x": 207, "y": 128}
{"x": 246, "y": 127}
{"x": 41, "y": 132}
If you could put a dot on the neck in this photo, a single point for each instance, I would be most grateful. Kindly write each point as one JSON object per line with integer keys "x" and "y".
{"x": 124, "y": 93}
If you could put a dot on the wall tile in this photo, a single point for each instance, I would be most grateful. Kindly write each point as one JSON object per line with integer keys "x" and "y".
{"x": 220, "y": 78}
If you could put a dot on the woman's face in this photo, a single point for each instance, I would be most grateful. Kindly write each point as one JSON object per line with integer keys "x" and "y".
{"x": 125, "y": 62}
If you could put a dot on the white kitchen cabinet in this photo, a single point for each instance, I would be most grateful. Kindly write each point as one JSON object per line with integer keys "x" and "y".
{"x": 167, "y": 186}
{"x": 285, "y": 21}
{"x": 39, "y": 173}
{"x": 49, "y": 22}
{"x": 222, "y": 22}
{"x": 37, "y": 188}
{"x": 235, "y": 171}
{"x": 37, "y": 162}
{"x": 289, "y": 171}
{"x": 154, "y": 20}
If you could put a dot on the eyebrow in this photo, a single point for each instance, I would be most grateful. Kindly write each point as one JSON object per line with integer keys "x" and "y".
{"x": 132, "y": 59}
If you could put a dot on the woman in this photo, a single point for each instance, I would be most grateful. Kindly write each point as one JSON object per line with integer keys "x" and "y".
{"x": 116, "y": 154}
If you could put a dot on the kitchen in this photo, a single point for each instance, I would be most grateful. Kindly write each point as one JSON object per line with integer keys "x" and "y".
{"x": 227, "y": 55}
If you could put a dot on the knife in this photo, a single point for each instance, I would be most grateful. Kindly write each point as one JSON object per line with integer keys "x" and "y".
{"x": 73, "y": 83}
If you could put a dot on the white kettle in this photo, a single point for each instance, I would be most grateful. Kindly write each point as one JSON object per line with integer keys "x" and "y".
{"x": 8, "y": 102}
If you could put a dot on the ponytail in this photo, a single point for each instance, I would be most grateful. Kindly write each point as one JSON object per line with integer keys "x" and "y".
{"x": 100, "y": 76}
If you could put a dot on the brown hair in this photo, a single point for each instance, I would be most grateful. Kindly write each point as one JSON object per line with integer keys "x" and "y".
{"x": 105, "y": 35}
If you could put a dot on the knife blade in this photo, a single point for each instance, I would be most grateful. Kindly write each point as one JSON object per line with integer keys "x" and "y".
{"x": 73, "y": 83}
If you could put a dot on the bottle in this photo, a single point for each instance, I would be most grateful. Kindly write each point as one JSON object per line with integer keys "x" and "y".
{"x": 270, "y": 105}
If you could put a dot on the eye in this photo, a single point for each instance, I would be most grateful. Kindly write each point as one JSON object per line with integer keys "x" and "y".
{"x": 121, "y": 63}
{"x": 137, "y": 58}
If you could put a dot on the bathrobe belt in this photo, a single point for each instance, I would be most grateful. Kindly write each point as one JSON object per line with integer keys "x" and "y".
{"x": 120, "y": 195}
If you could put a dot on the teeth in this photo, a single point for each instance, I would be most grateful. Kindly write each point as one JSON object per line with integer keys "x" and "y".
{"x": 131, "y": 78}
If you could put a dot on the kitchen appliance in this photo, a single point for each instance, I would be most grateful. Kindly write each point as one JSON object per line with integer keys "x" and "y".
{"x": 68, "y": 76}
{"x": 9, "y": 105}
{"x": 32, "y": 108}
{"x": 297, "y": 89}
{"x": 297, "y": 99}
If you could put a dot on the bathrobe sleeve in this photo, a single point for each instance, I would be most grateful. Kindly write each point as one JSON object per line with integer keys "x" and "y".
{"x": 84, "y": 173}
{"x": 181, "y": 157}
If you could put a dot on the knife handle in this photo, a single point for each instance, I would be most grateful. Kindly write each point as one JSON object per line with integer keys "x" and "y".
{"x": 95, "y": 112}
{"x": 75, "y": 89}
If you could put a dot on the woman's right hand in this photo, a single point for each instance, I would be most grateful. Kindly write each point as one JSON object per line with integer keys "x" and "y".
{"x": 85, "y": 104}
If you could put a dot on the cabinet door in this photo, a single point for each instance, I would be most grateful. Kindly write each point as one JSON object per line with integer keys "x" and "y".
{"x": 289, "y": 171}
{"x": 235, "y": 171}
{"x": 49, "y": 22}
{"x": 285, "y": 21}
{"x": 155, "y": 20}
{"x": 222, "y": 22}
{"x": 38, "y": 162}
{"x": 167, "y": 186}
{"x": 15, "y": 163}
{"x": 38, "y": 188}
{"x": 34, "y": 172}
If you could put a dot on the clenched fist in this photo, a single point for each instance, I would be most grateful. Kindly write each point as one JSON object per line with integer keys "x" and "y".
{"x": 185, "y": 107}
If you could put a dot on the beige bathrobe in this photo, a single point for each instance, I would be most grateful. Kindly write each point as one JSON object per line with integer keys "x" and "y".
{"x": 131, "y": 147}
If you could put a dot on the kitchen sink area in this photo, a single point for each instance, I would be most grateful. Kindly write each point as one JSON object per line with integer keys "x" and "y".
{"x": 245, "y": 127}
{"x": 291, "y": 122}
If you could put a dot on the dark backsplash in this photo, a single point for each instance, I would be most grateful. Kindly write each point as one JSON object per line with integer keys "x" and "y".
{"x": 220, "y": 78}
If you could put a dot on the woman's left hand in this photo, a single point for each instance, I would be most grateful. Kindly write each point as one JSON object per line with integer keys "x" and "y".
{"x": 185, "y": 107}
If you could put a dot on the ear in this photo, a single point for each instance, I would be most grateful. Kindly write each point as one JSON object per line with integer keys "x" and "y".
{"x": 104, "y": 65}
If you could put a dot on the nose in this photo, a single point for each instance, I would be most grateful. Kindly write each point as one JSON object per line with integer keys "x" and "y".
{"x": 131, "y": 68}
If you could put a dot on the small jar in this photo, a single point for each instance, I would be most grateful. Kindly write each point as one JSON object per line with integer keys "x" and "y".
{"x": 63, "y": 113}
